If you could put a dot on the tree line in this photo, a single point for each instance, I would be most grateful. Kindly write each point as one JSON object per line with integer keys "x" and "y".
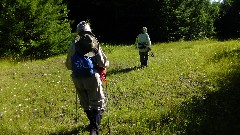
{"x": 44, "y": 28}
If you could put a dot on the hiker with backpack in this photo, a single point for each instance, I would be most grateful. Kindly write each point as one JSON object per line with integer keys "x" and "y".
{"x": 88, "y": 63}
{"x": 144, "y": 45}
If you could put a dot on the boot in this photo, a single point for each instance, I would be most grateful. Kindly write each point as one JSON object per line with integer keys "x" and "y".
{"x": 93, "y": 132}
{"x": 89, "y": 116}
{"x": 95, "y": 121}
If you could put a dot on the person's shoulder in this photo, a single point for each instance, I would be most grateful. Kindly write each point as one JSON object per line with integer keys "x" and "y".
{"x": 72, "y": 47}
{"x": 72, "y": 44}
{"x": 86, "y": 33}
{"x": 147, "y": 34}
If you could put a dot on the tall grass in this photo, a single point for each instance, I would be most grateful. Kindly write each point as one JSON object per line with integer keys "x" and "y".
{"x": 188, "y": 88}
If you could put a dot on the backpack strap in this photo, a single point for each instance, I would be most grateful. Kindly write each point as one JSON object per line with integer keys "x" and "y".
{"x": 86, "y": 32}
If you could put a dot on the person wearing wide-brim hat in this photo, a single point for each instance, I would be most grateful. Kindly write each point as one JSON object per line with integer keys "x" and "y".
{"x": 144, "y": 45}
{"x": 89, "y": 89}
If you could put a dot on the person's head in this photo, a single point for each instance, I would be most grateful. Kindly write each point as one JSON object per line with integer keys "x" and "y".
{"x": 87, "y": 45}
{"x": 83, "y": 26}
{"x": 144, "y": 30}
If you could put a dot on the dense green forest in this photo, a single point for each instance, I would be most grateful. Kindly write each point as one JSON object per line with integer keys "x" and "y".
{"x": 44, "y": 28}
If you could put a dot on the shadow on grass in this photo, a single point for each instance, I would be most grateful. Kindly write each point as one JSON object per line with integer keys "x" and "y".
{"x": 218, "y": 113}
{"x": 226, "y": 54}
{"x": 215, "y": 113}
{"x": 75, "y": 131}
{"x": 124, "y": 70}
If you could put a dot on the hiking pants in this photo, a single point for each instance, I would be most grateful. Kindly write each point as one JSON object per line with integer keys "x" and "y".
{"x": 90, "y": 92}
{"x": 95, "y": 117}
{"x": 143, "y": 58}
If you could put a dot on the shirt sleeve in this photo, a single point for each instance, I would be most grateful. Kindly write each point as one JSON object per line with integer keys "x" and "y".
{"x": 136, "y": 42}
{"x": 101, "y": 59}
{"x": 71, "y": 52}
{"x": 148, "y": 41}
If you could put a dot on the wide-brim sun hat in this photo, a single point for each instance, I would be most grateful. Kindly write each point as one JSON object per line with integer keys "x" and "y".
{"x": 87, "y": 45}
{"x": 83, "y": 26}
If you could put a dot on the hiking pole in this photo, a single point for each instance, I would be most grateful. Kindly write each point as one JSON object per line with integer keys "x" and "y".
{"x": 76, "y": 119}
{"x": 107, "y": 106}
{"x": 76, "y": 109}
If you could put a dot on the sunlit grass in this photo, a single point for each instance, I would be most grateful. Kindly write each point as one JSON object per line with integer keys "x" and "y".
{"x": 39, "y": 98}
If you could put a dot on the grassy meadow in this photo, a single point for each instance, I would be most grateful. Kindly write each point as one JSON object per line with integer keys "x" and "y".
{"x": 188, "y": 88}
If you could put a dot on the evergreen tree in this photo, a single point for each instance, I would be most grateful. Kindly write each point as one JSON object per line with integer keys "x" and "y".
{"x": 34, "y": 28}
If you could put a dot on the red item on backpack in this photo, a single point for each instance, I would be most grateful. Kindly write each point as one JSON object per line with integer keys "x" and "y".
{"x": 102, "y": 72}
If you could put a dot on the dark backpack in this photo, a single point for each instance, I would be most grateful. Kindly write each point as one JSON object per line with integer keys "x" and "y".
{"x": 82, "y": 66}
{"x": 141, "y": 45}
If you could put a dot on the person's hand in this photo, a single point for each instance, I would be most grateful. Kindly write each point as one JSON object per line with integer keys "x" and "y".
{"x": 152, "y": 54}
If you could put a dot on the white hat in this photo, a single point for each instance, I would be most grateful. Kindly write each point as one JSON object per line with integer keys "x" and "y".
{"x": 83, "y": 26}
{"x": 144, "y": 29}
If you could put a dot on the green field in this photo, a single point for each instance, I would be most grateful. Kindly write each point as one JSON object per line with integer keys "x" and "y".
{"x": 188, "y": 88}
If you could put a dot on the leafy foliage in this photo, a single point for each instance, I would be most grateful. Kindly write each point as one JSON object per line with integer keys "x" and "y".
{"x": 196, "y": 22}
{"x": 33, "y": 28}
{"x": 166, "y": 20}
{"x": 228, "y": 23}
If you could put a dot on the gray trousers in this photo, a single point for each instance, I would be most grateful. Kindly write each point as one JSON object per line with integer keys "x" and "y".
{"x": 90, "y": 92}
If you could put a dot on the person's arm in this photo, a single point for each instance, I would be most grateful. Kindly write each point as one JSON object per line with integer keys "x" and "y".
{"x": 101, "y": 59}
{"x": 71, "y": 52}
{"x": 102, "y": 63}
{"x": 148, "y": 41}
{"x": 136, "y": 42}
